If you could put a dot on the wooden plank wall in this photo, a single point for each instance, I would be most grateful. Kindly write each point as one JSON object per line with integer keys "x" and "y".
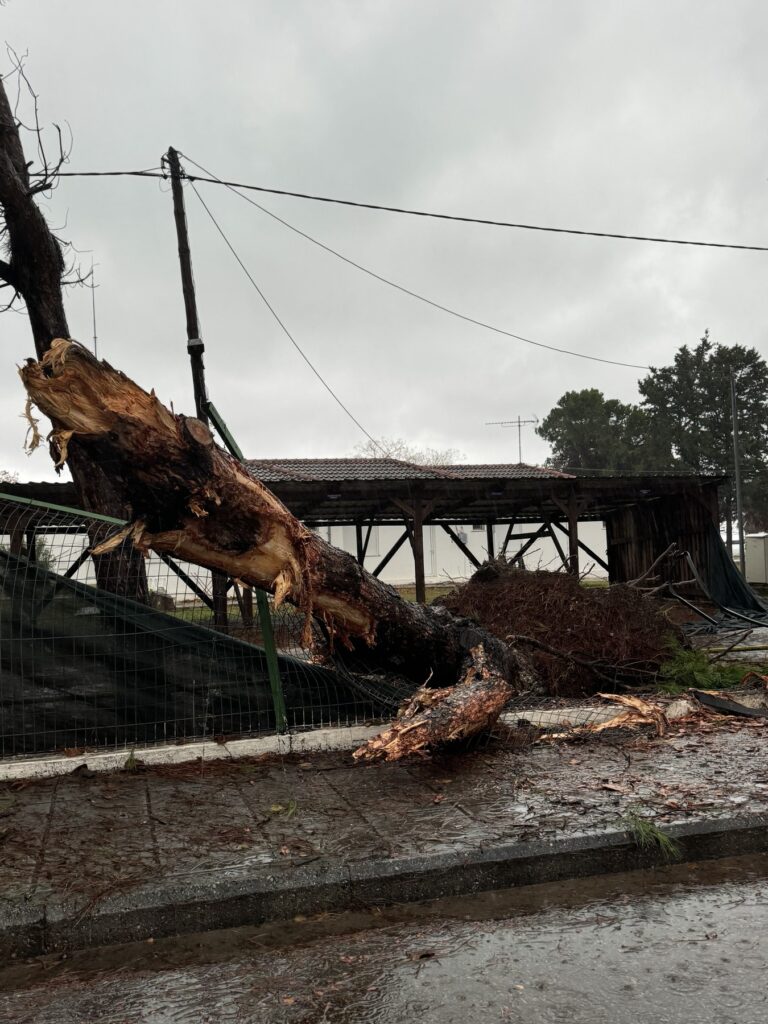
{"x": 637, "y": 534}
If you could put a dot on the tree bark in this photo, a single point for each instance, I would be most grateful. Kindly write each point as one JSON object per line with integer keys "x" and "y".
{"x": 194, "y": 501}
{"x": 34, "y": 270}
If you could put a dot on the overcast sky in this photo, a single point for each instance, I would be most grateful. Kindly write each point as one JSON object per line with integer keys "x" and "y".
{"x": 645, "y": 117}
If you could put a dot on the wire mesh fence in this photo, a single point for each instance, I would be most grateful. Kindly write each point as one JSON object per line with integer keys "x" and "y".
{"x": 120, "y": 650}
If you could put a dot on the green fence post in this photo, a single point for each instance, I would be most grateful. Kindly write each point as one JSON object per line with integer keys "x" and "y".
{"x": 265, "y": 618}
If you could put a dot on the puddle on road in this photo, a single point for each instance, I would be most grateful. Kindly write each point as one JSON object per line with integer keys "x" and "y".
{"x": 683, "y": 943}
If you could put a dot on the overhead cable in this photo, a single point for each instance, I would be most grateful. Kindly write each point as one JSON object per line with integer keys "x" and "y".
{"x": 409, "y": 291}
{"x": 285, "y": 330}
{"x": 489, "y": 222}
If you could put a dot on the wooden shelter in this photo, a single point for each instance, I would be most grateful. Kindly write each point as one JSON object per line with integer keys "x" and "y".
{"x": 642, "y": 513}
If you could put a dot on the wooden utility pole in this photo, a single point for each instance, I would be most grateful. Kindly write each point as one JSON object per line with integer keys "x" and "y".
{"x": 195, "y": 348}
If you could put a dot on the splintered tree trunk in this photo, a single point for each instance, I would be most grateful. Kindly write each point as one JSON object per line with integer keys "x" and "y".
{"x": 191, "y": 499}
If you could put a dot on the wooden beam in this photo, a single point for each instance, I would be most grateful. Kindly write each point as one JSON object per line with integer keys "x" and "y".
{"x": 460, "y": 544}
{"x": 529, "y": 543}
{"x": 81, "y": 559}
{"x": 507, "y": 536}
{"x": 359, "y": 543}
{"x": 583, "y": 546}
{"x": 558, "y": 545}
{"x": 392, "y": 552}
{"x": 367, "y": 538}
{"x": 193, "y": 586}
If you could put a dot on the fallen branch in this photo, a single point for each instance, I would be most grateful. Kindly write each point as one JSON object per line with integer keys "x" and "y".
{"x": 730, "y": 647}
{"x": 433, "y": 717}
{"x": 670, "y": 552}
{"x": 639, "y": 713}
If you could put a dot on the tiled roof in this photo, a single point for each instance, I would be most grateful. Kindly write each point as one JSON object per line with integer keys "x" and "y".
{"x": 338, "y": 470}
{"x": 508, "y": 471}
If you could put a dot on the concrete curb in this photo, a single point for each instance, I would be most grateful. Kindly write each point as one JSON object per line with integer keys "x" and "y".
{"x": 311, "y": 741}
{"x": 234, "y": 897}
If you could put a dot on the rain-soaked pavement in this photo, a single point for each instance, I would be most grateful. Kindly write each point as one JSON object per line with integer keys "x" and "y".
{"x": 80, "y": 838}
{"x": 686, "y": 943}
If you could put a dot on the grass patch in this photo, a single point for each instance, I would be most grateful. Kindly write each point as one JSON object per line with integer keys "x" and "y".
{"x": 648, "y": 836}
{"x": 685, "y": 669}
{"x": 408, "y": 591}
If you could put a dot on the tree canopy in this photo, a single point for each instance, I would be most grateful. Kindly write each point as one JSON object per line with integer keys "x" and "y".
{"x": 690, "y": 403}
{"x": 588, "y": 431}
{"x": 683, "y": 422}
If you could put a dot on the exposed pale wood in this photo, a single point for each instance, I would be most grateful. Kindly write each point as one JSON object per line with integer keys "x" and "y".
{"x": 433, "y": 717}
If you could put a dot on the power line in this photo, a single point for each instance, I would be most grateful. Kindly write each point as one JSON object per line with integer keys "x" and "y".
{"x": 409, "y": 291}
{"x": 285, "y": 330}
{"x": 425, "y": 213}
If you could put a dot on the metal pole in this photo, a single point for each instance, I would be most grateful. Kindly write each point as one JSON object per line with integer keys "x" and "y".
{"x": 93, "y": 308}
{"x": 737, "y": 474}
{"x": 519, "y": 423}
{"x": 195, "y": 345}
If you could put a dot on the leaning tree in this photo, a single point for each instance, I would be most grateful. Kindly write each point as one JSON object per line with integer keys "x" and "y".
{"x": 33, "y": 273}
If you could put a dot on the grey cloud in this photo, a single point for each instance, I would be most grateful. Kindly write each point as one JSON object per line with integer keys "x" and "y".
{"x": 634, "y": 116}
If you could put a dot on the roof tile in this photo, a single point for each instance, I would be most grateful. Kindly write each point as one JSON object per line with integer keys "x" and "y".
{"x": 339, "y": 470}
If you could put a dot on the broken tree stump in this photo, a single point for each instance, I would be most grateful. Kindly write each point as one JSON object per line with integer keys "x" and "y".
{"x": 191, "y": 499}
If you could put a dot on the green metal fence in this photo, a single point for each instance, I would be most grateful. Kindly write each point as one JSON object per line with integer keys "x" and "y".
{"x": 126, "y": 651}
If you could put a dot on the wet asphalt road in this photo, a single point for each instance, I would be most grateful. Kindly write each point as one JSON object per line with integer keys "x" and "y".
{"x": 684, "y": 944}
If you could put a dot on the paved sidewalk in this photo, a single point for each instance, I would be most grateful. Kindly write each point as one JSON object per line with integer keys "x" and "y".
{"x": 94, "y": 858}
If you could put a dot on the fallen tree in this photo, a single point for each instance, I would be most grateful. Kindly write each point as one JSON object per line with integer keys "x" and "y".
{"x": 191, "y": 499}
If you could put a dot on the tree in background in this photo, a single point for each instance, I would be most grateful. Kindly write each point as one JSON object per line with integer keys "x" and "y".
{"x": 592, "y": 433}
{"x": 683, "y": 423}
{"x": 397, "y": 448}
{"x": 690, "y": 404}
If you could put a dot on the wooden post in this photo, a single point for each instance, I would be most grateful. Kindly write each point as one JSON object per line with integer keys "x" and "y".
{"x": 17, "y": 539}
{"x": 417, "y": 543}
{"x": 489, "y": 541}
{"x": 359, "y": 543}
{"x": 219, "y": 595}
{"x": 247, "y": 608}
{"x": 573, "y": 534}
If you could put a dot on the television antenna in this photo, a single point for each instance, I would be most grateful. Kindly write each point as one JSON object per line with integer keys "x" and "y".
{"x": 519, "y": 423}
